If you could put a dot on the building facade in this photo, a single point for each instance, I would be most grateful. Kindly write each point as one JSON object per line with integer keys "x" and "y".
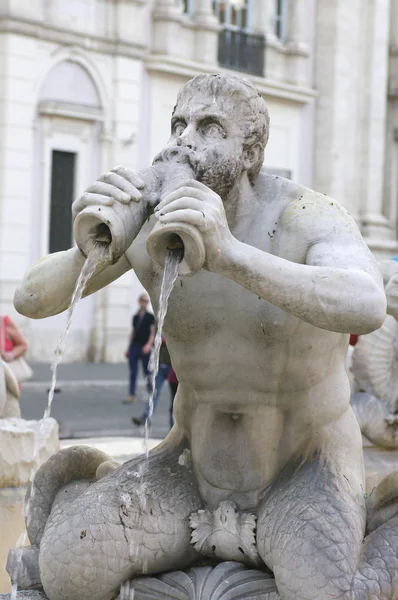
{"x": 90, "y": 84}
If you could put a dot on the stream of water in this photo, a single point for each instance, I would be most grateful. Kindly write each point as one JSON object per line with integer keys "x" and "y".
{"x": 170, "y": 274}
{"x": 96, "y": 257}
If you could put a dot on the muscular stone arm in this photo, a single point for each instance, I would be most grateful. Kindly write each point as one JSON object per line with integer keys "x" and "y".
{"x": 46, "y": 289}
{"x": 339, "y": 288}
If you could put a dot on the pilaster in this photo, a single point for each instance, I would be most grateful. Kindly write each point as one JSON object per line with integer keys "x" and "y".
{"x": 375, "y": 225}
{"x": 206, "y": 32}
{"x": 166, "y": 35}
{"x": 296, "y": 41}
{"x": 338, "y": 68}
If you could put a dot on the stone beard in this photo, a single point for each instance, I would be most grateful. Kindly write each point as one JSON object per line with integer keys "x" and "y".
{"x": 217, "y": 171}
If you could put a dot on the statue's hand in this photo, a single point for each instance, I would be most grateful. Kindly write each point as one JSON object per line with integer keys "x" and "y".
{"x": 196, "y": 204}
{"x": 118, "y": 185}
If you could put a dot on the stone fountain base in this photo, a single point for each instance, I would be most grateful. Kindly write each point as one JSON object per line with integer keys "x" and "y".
{"x": 18, "y": 442}
{"x": 226, "y": 581}
{"x": 26, "y": 594}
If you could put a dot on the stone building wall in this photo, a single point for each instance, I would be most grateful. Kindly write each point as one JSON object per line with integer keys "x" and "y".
{"x": 351, "y": 79}
{"x": 326, "y": 70}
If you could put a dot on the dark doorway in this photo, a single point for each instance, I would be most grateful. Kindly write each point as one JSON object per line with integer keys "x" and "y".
{"x": 62, "y": 196}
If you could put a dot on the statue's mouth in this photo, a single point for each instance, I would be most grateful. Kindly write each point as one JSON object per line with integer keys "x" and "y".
{"x": 178, "y": 154}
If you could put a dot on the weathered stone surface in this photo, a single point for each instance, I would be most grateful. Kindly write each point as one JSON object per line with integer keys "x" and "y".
{"x": 23, "y": 566}
{"x": 26, "y": 595}
{"x": 18, "y": 440}
{"x": 379, "y": 462}
{"x": 12, "y": 528}
{"x": 227, "y": 581}
{"x": 373, "y": 371}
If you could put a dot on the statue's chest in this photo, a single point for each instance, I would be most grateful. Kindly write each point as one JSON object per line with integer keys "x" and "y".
{"x": 202, "y": 305}
{"x": 207, "y": 302}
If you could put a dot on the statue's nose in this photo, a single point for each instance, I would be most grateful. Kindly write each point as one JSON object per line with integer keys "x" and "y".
{"x": 185, "y": 140}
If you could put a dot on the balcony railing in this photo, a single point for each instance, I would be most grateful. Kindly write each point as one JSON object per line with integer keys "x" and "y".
{"x": 241, "y": 51}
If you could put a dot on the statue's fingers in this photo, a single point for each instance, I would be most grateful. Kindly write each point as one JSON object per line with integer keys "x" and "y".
{"x": 183, "y": 191}
{"x": 187, "y": 215}
{"x": 180, "y": 204}
{"x": 123, "y": 184}
{"x": 130, "y": 176}
{"x": 90, "y": 199}
{"x": 106, "y": 189}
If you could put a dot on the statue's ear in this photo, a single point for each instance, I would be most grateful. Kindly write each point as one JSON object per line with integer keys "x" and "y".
{"x": 251, "y": 155}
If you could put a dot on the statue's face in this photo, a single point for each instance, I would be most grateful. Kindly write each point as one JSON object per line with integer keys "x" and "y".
{"x": 211, "y": 127}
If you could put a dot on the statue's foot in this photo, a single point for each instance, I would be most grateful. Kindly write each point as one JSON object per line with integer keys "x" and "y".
{"x": 226, "y": 534}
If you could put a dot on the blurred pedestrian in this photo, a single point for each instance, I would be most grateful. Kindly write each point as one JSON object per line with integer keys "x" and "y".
{"x": 173, "y": 385}
{"x": 140, "y": 345}
{"x": 13, "y": 346}
{"x": 161, "y": 377}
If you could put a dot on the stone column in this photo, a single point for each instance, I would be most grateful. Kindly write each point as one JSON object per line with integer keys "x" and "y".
{"x": 375, "y": 226}
{"x": 298, "y": 21}
{"x": 338, "y": 83}
{"x": 263, "y": 20}
{"x": 167, "y": 7}
{"x": 203, "y": 12}
{"x": 207, "y": 28}
{"x": 167, "y": 15}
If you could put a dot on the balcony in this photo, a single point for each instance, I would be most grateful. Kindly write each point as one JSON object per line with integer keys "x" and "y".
{"x": 241, "y": 51}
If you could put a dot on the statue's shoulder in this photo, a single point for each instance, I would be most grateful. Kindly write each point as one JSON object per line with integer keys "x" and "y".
{"x": 315, "y": 214}
{"x": 303, "y": 212}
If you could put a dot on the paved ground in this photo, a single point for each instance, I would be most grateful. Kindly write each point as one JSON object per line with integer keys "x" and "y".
{"x": 89, "y": 402}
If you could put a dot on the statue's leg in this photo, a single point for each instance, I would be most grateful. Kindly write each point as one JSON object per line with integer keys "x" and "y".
{"x": 310, "y": 530}
{"x": 135, "y": 520}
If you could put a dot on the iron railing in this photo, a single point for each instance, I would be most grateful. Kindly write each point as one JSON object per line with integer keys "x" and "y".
{"x": 241, "y": 51}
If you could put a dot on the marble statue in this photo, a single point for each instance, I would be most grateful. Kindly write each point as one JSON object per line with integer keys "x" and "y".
{"x": 264, "y": 465}
{"x": 374, "y": 367}
{"x": 9, "y": 393}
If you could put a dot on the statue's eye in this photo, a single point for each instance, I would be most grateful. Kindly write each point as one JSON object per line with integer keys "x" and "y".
{"x": 179, "y": 128}
{"x": 213, "y": 129}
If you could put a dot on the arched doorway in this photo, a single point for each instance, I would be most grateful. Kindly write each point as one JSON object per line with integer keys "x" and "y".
{"x": 67, "y": 159}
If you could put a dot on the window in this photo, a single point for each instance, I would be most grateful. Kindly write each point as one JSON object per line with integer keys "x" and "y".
{"x": 280, "y": 19}
{"x": 238, "y": 49}
{"x": 233, "y": 14}
{"x": 62, "y": 195}
{"x": 186, "y": 7}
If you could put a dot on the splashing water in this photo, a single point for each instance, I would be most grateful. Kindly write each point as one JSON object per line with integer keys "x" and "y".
{"x": 170, "y": 274}
{"x": 126, "y": 591}
{"x": 96, "y": 257}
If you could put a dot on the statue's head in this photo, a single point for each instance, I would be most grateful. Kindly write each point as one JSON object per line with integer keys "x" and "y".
{"x": 224, "y": 121}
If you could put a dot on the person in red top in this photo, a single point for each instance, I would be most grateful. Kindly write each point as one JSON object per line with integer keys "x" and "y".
{"x": 12, "y": 341}
{"x": 353, "y": 339}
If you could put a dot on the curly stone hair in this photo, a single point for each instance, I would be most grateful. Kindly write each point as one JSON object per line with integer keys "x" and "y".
{"x": 257, "y": 118}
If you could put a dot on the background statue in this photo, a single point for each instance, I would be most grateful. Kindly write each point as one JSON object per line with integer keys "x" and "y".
{"x": 9, "y": 393}
{"x": 264, "y": 463}
{"x": 374, "y": 368}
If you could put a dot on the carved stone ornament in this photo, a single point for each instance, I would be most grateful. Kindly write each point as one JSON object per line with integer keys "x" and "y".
{"x": 227, "y": 581}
